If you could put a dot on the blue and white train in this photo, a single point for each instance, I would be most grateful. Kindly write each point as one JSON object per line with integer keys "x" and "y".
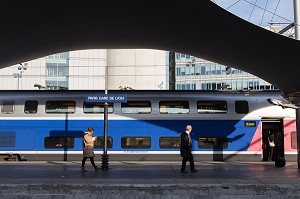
{"x": 227, "y": 125}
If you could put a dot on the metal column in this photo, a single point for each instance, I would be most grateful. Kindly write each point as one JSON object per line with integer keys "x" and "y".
{"x": 297, "y": 18}
{"x": 298, "y": 136}
{"x": 297, "y": 37}
{"x": 172, "y": 65}
{"x": 105, "y": 157}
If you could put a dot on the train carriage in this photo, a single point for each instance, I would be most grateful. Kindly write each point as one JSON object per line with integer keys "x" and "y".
{"x": 227, "y": 125}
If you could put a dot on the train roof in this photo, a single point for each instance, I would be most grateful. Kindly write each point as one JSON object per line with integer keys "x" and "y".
{"x": 148, "y": 91}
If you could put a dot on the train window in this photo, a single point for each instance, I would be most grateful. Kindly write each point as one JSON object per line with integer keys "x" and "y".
{"x": 59, "y": 142}
{"x": 294, "y": 140}
{"x": 30, "y": 107}
{"x": 60, "y": 106}
{"x": 136, "y": 107}
{"x": 96, "y": 107}
{"x": 7, "y": 139}
{"x": 241, "y": 107}
{"x": 213, "y": 143}
{"x": 99, "y": 142}
{"x": 211, "y": 107}
{"x": 169, "y": 142}
{"x": 135, "y": 142}
{"x": 175, "y": 107}
{"x": 7, "y": 107}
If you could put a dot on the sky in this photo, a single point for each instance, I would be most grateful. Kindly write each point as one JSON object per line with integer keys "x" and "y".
{"x": 283, "y": 9}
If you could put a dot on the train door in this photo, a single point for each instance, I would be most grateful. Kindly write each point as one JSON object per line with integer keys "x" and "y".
{"x": 272, "y": 130}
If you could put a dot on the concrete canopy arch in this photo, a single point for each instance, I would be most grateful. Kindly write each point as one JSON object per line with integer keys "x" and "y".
{"x": 32, "y": 29}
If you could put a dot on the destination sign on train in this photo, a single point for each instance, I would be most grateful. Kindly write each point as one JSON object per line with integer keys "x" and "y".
{"x": 106, "y": 97}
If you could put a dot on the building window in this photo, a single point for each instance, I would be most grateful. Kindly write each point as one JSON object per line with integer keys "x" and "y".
{"x": 136, "y": 142}
{"x": 175, "y": 107}
{"x": 169, "y": 142}
{"x": 218, "y": 69}
{"x": 245, "y": 85}
{"x": 187, "y": 86}
{"x": 213, "y": 69}
{"x": 99, "y": 142}
{"x": 57, "y": 69}
{"x": 211, "y": 107}
{"x": 294, "y": 140}
{"x": 138, "y": 107}
{"x": 64, "y": 55}
{"x": 197, "y": 70}
{"x": 30, "y": 107}
{"x": 60, "y": 107}
{"x": 207, "y": 69}
{"x": 7, "y": 107}
{"x": 187, "y": 71}
{"x": 203, "y": 70}
{"x": 212, "y": 143}
{"x": 96, "y": 107}
{"x": 241, "y": 107}
{"x": 59, "y": 142}
{"x": 193, "y": 86}
{"x": 57, "y": 85}
{"x": 182, "y": 71}
{"x": 178, "y": 71}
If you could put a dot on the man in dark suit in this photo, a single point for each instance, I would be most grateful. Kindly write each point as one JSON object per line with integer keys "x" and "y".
{"x": 185, "y": 150}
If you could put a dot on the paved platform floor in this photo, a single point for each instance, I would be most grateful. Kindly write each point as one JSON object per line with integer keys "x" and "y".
{"x": 149, "y": 180}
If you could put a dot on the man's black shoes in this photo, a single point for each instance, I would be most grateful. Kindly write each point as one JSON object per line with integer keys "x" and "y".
{"x": 193, "y": 171}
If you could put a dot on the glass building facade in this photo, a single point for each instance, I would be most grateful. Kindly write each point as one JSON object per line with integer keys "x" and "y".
{"x": 139, "y": 69}
{"x": 57, "y": 71}
{"x": 194, "y": 73}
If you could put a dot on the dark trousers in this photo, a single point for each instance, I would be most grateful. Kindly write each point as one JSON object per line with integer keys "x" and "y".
{"x": 270, "y": 153}
{"x": 91, "y": 159}
{"x": 184, "y": 160}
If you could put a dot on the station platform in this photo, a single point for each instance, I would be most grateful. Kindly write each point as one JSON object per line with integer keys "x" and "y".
{"x": 149, "y": 180}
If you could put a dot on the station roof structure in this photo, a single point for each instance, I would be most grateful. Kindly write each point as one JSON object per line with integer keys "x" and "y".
{"x": 31, "y": 29}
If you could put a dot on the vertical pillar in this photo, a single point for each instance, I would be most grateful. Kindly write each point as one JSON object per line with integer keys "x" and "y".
{"x": 297, "y": 37}
{"x": 18, "y": 80}
{"x": 297, "y": 18}
{"x": 105, "y": 157}
{"x": 298, "y": 135}
{"x": 172, "y": 80}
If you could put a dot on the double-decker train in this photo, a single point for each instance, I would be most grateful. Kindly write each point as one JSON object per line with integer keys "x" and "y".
{"x": 227, "y": 125}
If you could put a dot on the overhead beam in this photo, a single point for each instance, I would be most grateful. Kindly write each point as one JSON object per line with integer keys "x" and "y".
{"x": 30, "y": 30}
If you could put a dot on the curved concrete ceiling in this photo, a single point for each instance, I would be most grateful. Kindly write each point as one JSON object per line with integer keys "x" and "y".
{"x": 32, "y": 29}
